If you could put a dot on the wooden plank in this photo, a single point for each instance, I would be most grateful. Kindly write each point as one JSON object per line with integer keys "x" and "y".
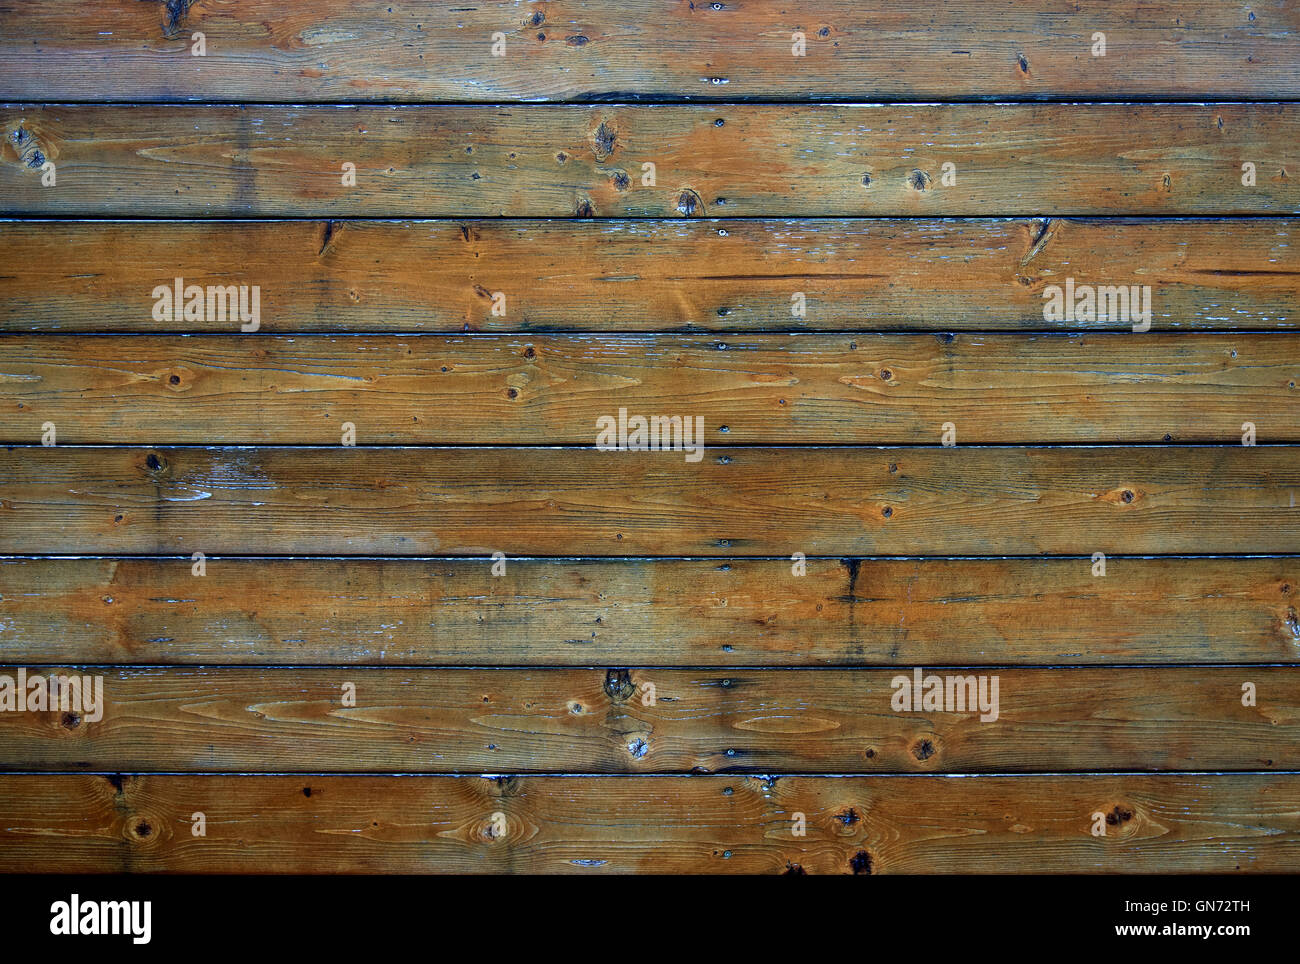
{"x": 539, "y": 161}
{"x": 1212, "y": 823}
{"x": 426, "y": 276}
{"x": 596, "y": 720}
{"x": 758, "y": 389}
{"x": 734, "y": 612}
{"x": 565, "y": 502}
{"x": 424, "y": 50}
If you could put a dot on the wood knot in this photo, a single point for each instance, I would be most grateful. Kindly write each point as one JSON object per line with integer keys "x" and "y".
{"x": 918, "y": 180}
{"x": 174, "y": 11}
{"x": 618, "y": 685}
{"x": 27, "y": 148}
{"x": 141, "y": 829}
{"x": 507, "y": 786}
{"x": 178, "y": 379}
{"x": 604, "y": 139}
{"x": 688, "y": 202}
{"x": 1124, "y": 495}
{"x": 1119, "y": 816}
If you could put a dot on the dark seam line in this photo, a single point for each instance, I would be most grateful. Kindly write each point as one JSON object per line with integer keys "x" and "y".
{"x": 623, "y": 100}
{"x": 713, "y": 669}
{"x": 362, "y": 557}
{"x": 644, "y": 334}
{"x": 528, "y": 219}
{"x": 658, "y": 775}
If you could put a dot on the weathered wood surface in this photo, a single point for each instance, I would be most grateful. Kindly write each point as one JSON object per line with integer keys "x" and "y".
{"x": 698, "y": 824}
{"x": 427, "y": 276}
{"x": 596, "y": 720}
{"x": 575, "y": 502}
{"x": 318, "y": 50}
{"x": 732, "y": 612}
{"x": 566, "y": 161}
{"x": 757, "y": 389}
{"x": 502, "y": 274}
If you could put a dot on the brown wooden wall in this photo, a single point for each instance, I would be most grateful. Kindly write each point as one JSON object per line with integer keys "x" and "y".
{"x": 362, "y": 587}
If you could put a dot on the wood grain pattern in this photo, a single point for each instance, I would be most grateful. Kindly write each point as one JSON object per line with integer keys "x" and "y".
{"x": 632, "y": 275}
{"x": 622, "y": 212}
{"x": 774, "y": 389}
{"x": 741, "y": 501}
{"x": 732, "y": 612}
{"x": 699, "y": 824}
{"x": 597, "y": 720}
{"x": 425, "y": 50}
{"x": 560, "y": 161}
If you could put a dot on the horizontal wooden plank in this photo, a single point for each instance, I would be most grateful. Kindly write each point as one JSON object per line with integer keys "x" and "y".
{"x": 734, "y": 612}
{"x": 715, "y": 275}
{"x": 759, "y": 389}
{"x": 425, "y": 50}
{"x": 1005, "y": 719}
{"x": 739, "y": 501}
{"x": 660, "y": 825}
{"x": 561, "y": 161}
